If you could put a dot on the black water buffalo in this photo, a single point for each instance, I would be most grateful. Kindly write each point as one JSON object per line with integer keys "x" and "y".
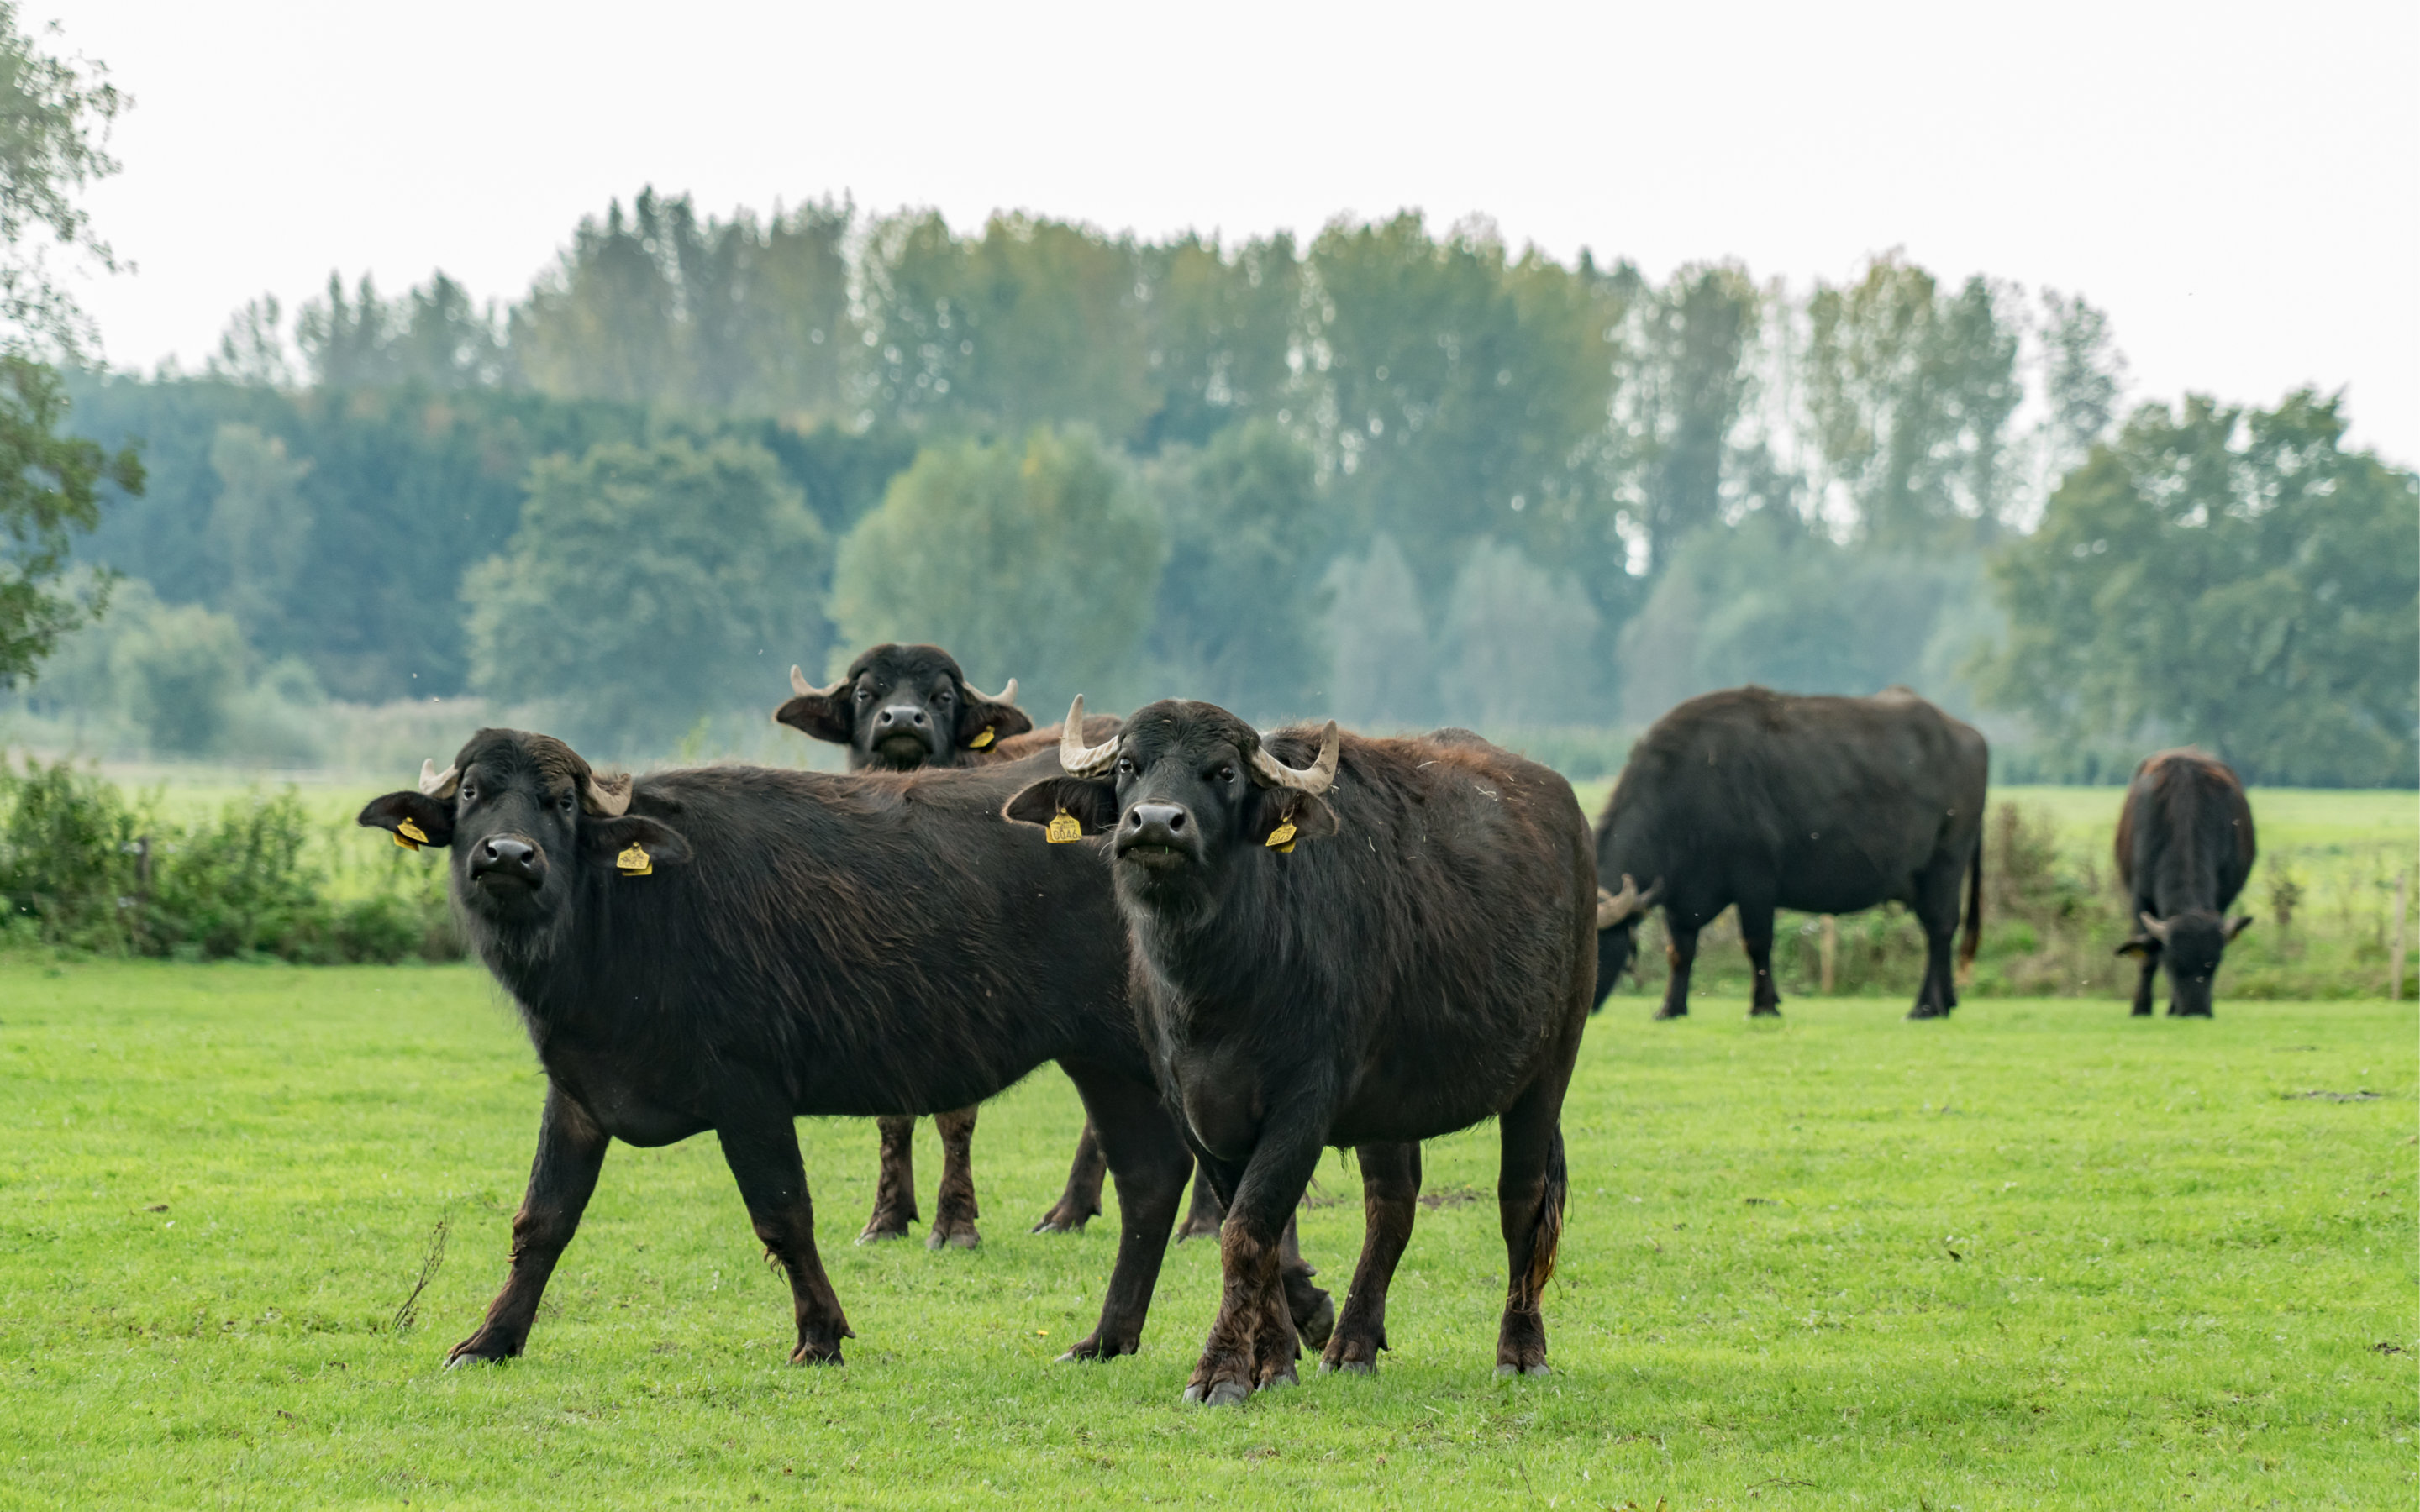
{"x": 904, "y": 708}
{"x": 1771, "y": 800}
{"x": 1345, "y": 941}
{"x": 2184, "y": 848}
{"x": 728, "y": 947}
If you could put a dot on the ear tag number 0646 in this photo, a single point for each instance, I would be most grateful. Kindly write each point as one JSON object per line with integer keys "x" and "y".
{"x": 410, "y": 836}
{"x": 1065, "y": 828}
{"x": 1281, "y": 839}
{"x": 635, "y": 862}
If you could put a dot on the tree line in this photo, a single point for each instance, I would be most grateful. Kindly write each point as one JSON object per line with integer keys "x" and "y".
{"x": 1397, "y": 472}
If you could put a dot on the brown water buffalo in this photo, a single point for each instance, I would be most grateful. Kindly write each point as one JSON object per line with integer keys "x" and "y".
{"x": 1343, "y": 941}
{"x": 1768, "y": 800}
{"x": 2184, "y": 848}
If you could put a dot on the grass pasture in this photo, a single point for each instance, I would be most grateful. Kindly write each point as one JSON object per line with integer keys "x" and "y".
{"x": 2041, "y": 1254}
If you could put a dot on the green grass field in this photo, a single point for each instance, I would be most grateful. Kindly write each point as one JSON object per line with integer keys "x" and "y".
{"x": 2041, "y": 1255}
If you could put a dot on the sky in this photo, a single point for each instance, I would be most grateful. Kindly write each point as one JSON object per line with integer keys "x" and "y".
{"x": 2237, "y": 184}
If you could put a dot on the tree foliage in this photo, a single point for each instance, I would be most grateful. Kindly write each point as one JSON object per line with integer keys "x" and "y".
{"x": 1035, "y": 560}
{"x": 2230, "y": 577}
{"x": 50, "y": 489}
{"x": 648, "y": 587}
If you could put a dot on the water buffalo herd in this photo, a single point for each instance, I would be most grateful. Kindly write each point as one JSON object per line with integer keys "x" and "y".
{"x": 1243, "y": 948}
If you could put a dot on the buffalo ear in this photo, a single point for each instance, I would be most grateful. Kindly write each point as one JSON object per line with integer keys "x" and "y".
{"x": 1092, "y": 805}
{"x": 1310, "y": 816}
{"x": 605, "y": 839}
{"x": 433, "y": 818}
{"x": 822, "y": 716}
{"x": 2237, "y": 926}
{"x": 2139, "y": 947}
{"x": 978, "y": 714}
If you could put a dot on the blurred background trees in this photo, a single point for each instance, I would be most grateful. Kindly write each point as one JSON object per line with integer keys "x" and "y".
{"x": 1398, "y": 472}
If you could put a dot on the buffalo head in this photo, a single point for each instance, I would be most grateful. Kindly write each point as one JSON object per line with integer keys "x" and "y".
{"x": 1618, "y": 915}
{"x": 1184, "y": 787}
{"x": 902, "y": 708}
{"x": 529, "y": 823}
{"x": 2189, "y": 944}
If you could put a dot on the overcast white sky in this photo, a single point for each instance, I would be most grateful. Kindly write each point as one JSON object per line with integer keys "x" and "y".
{"x": 2238, "y": 184}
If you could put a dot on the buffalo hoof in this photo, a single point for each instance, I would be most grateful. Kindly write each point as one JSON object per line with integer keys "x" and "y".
{"x": 1662, "y": 1014}
{"x": 813, "y": 1353}
{"x": 1198, "y": 1228}
{"x": 1061, "y": 1219}
{"x": 1538, "y": 1369}
{"x": 1283, "y": 1378}
{"x": 963, "y": 1236}
{"x": 1322, "y": 1322}
{"x": 457, "y": 1359}
{"x": 877, "y": 1236}
{"x": 1926, "y": 1010}
{"x": 1348, "y": 1368}
{"x": 1224, "y": 1394}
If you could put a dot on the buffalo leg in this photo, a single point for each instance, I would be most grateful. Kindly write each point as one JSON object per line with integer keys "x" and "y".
{"x": 1146, "y": 1159}
{"x": 2149, "y": 955}
{"x": 1390, "y": 1192}
{"x": 1936, "y": 909}
{"x": 764, "y": 1159}
{"x": 953, "y": 1209}
{"x": 1206, "y": 1212}
{"x": 1254, "y": 1343}
{"x": 1081, "y": 1200}
{"x": 570, "y": 1153}
{"x": 1529, "y": 1189}
{"x": 894, "y": 1185}
{"x": 1312, "y": 1309}
{"x": 1756, "y": 934}
{"x": 1680, "y": 949}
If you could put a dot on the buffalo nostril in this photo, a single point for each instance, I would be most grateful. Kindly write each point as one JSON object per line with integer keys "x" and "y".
{"x": 1134, "y": 819}
{"x": 1176, "y": 820}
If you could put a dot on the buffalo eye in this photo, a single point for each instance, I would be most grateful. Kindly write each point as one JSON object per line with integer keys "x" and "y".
{"x": 944, "y": 696}
{"x": 1226, "y": 775}
{"x": 468, "y": 792}
{"x": 1125, "y": 767}
{"x": 865, "y": 695}
{"x": 565, "y": 803}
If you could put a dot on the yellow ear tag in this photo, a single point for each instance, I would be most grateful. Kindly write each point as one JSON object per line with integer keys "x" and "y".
{"x": 1065, "y": 828}
{"x": 1281, "y": 839}
{"x": 635, "y": 862}
{"x": 980, "y": 741}
{"x": 410, "y": 836}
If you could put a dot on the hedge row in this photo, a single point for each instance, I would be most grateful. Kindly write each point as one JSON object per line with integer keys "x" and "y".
{"x": 84, "y": 867}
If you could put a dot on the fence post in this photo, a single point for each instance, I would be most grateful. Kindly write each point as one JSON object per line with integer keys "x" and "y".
{"x": 1831, "y": 950}
{"x": 2394, "y": 946}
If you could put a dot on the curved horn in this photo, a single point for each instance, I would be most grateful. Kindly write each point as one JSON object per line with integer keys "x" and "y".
{"x": 1612, "y": 908}
{"x": 606, "y": 797}
{"x": 438, "y": 784}
{"x": 2154, "y": 928}
{"x": 1006, "y": 695}
{"x": 805, "y": 689}
{"x": 1314, "y": 779}
{"x": 1075, "y": 757}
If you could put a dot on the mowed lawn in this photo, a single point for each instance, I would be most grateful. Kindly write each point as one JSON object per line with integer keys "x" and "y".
{"x": 2041, "y": 1254}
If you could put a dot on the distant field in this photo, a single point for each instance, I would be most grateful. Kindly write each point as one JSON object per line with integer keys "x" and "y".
{"x": 2039, "y": 1254}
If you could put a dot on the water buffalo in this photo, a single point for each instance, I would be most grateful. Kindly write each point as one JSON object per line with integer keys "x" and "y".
{"x": 1770, "y": 800}
{"x": 728, "y": 947}
{"x": 2184, "y": 848}
{"x": 1343, "y": 941}
{"x": 904, "y": 708}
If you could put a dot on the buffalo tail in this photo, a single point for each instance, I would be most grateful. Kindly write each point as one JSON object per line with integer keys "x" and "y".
{"x": 1974, "y": 907}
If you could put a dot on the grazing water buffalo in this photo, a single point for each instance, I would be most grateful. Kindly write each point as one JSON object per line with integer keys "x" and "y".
{"x": 1770, "y": 800}
{"x": 904, "y": 708}
{"x": 1343, "y": 941}
{"x": 2184, "y": 848}
{"x": 728, "y": 947}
